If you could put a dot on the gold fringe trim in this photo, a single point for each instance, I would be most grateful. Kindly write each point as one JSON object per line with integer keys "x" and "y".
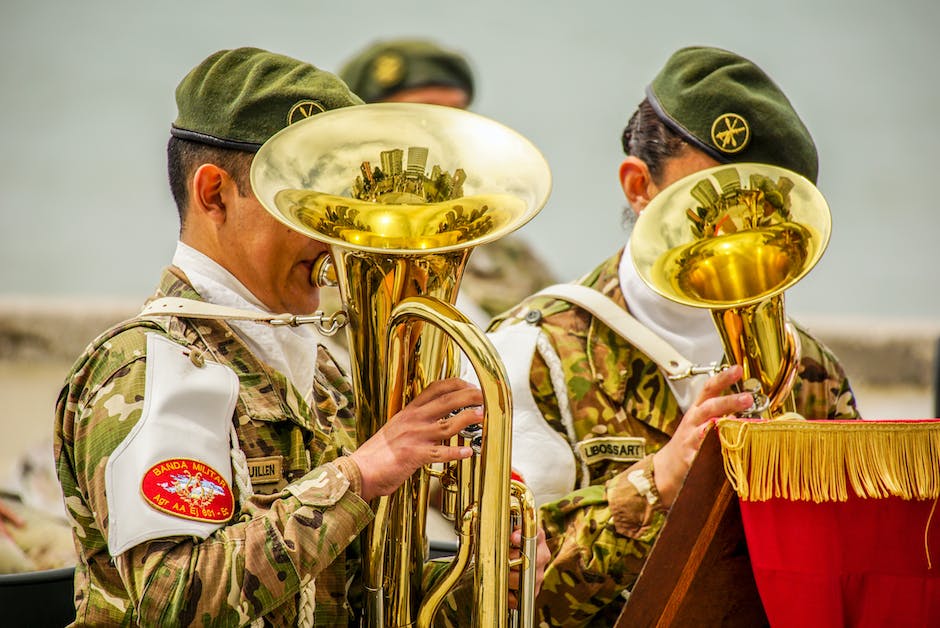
{"x": 819, "y": 460}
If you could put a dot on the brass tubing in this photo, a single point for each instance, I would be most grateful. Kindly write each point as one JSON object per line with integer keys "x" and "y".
{"x": 396, "y": 233}
{"x": 491, "y": 556}
{"x": 434, "y": 597}
{"x": 370, "y": 287}
{"x": 758, "y": 337}
{"x": 524, "y": 616}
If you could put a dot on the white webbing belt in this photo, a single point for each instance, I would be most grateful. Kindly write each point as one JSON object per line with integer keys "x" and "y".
{"x": 190, "y": 308}
{"x": 674, "y": 364}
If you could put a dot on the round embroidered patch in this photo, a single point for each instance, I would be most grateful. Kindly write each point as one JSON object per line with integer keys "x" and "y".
{"x": 188, "y": 488}
{"x": 730, "y": 133}
{"x": 304, "y": 109}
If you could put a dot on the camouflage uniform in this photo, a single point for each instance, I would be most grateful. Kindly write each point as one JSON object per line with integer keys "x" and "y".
{"x": 214, "y": 581}
{"x": 600, "y": 535}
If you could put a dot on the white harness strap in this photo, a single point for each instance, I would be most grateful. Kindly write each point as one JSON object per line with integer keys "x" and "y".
{"x": 538, "y": 457}
{"x": 326, "y": 324}
{"x": 190, "y": 308}
{"x": 556, "y": 374}
{"x": 674, "y": 364}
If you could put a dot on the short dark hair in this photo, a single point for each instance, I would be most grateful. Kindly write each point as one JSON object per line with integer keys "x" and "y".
{"x": 646, "y": 137}
{"x": 183, "y": 157}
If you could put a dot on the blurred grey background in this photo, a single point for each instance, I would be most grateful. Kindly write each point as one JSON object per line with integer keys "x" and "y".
{"x": 87, "y": 100}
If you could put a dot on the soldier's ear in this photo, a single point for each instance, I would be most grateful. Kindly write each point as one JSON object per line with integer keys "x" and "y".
{"x": 209, "y": 191}
{"x": 636, "y": 182}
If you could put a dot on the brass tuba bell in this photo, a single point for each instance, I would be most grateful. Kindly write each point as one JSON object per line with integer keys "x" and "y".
{"x": 402, "y": 193}
{"x": 732, "y": 239}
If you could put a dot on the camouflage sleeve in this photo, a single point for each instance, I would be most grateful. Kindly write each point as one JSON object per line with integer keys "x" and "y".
{"x": 249, "y": 567}
{"x": 822, "y": 390}
{"x": 241, "y": 571}
{"x": 600, "y": 537}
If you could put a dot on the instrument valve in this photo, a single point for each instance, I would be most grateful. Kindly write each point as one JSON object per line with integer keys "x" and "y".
{"x": 474, "y": 433}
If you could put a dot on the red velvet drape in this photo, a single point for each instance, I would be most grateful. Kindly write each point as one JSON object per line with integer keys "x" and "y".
{"x": 861, "y": 563}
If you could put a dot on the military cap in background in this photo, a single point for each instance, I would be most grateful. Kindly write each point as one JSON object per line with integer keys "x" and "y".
{"x": 391, "y": 66}
{"x": 728, "y": 107}
{"x": 240, "y": 98}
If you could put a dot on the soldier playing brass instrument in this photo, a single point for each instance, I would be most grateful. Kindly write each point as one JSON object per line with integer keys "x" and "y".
{"x": 601, "y": 434}
{"x": 210, "y": 466}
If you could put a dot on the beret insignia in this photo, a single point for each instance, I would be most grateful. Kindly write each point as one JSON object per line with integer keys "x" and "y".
{"x": 188, "y": 488}
{"x": 730, "y": 133}
{"x": 304, "y": 109}
{"x": 388, "y": 69}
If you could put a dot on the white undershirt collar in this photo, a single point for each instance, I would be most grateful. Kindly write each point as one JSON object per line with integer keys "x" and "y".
{"x": 290, "y": 350}
{"x": 689, "y": 330}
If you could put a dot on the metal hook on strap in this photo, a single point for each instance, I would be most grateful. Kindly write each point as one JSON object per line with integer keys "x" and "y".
{"x": 692, "y": 370}
{"x": 327, "y": 325}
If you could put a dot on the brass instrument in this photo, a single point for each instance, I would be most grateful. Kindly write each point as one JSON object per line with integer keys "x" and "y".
{"x": 732, "y": 239}
{"x": 357, "y": 179}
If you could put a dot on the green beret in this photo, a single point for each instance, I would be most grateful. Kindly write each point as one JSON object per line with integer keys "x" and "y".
{"x": 240, "y": 98}
{"x": 725, "y": 105}
{"x": 392, "y": 66}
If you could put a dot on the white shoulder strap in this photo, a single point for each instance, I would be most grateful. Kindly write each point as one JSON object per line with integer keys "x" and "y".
{"x": 191, "y": 308}
{"x": 674, "y": 364}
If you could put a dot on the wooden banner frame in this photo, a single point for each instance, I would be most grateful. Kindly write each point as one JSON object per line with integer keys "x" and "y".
{"x": 699, "y": 572}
